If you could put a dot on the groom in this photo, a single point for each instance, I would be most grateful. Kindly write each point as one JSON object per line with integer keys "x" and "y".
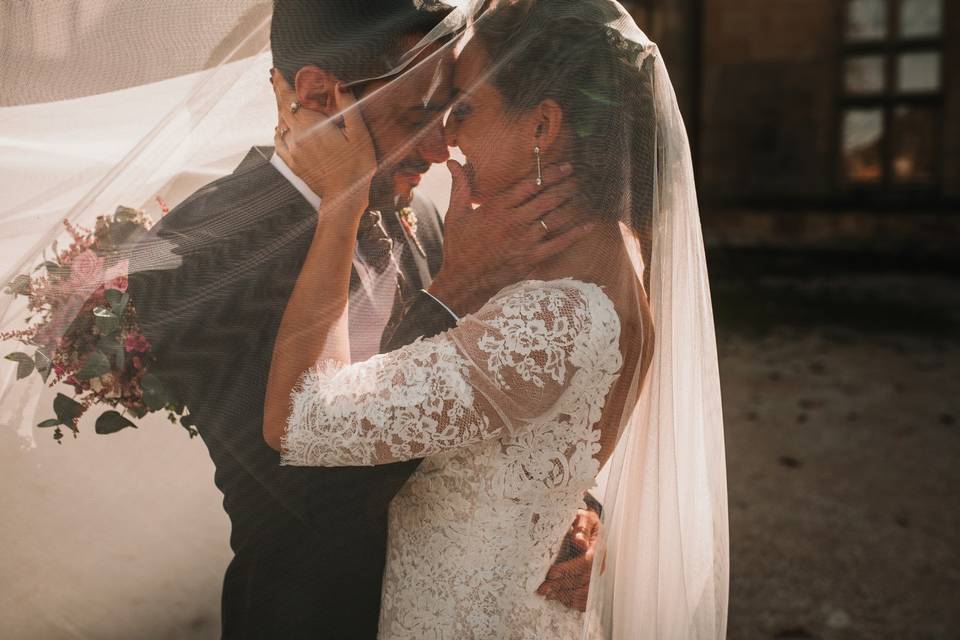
{"x": 210, "y": 283}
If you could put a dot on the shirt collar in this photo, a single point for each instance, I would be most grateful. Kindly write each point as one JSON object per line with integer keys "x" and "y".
{"x": 301, "y": 186}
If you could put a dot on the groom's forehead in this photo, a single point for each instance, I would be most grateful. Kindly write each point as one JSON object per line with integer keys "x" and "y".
{"x": 427, "y": 87}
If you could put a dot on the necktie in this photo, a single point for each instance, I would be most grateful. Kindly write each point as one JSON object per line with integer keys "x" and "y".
{"x": 373, "y": 241}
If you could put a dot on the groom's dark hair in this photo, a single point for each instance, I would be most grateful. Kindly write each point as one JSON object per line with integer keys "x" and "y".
{"x": 354, "y": 39}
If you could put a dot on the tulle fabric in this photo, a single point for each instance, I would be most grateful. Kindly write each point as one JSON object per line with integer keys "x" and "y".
{"x": 664, "y": 540}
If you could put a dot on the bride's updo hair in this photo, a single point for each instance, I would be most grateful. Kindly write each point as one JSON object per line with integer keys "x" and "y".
{"x": 564, "y": 50}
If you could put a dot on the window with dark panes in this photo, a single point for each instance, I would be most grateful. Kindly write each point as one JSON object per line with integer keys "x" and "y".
{"x": 892, "y": 96}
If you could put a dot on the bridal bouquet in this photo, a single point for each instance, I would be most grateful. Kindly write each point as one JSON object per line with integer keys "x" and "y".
{"x": 82, "y": 329}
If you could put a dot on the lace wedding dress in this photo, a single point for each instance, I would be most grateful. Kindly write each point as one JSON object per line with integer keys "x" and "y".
{"x": 502, "y": 408}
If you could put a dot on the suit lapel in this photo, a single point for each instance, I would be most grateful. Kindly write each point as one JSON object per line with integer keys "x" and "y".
{"x": 255, "y": 157}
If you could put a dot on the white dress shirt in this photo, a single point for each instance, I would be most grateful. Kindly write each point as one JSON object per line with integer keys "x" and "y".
{"x": 370, "y": 304}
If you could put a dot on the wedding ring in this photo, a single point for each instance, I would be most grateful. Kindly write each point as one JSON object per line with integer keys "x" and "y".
{"x": 544, "y": 225}
{"x": 294, "y": 106}
{"x": 283, "y": 131}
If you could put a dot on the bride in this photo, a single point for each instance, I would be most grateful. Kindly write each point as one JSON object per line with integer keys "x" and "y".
{"x": 516, "y": 409}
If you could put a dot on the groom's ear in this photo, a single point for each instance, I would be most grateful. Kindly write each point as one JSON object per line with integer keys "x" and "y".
{"x": 315, "y": 89}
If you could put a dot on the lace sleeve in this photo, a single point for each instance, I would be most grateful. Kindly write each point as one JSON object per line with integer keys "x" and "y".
{"x": 507, "y": 364}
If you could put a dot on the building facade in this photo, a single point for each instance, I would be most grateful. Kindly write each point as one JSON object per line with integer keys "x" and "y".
{"x": 817, "y": 104}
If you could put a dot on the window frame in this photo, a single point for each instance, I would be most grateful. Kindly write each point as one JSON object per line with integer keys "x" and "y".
{"x": 889, "y": 47}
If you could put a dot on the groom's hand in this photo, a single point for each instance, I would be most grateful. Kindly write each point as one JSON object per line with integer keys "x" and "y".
{"x": 568, "y": 580}
{"x": 499, "y": 243}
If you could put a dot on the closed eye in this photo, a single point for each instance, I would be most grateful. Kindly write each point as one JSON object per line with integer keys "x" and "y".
{"x": 415, "y": 122}
{"x": 461, "y": 110}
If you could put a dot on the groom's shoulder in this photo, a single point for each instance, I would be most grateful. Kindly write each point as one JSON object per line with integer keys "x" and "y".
{"x": 253, "y": 188}
{"x": 425, "y": 207}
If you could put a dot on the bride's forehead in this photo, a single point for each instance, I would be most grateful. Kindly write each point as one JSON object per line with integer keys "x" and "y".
{"x": 470, "y": 66}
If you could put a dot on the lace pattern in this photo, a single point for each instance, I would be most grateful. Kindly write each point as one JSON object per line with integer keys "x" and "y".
{"x": 503, "y": 408}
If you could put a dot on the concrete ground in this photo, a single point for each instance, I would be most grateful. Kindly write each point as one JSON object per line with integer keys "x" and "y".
{"x": 841, "y": 387}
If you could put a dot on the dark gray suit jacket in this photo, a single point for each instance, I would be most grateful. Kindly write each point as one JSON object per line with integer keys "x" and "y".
{"x": 211, "y": 281}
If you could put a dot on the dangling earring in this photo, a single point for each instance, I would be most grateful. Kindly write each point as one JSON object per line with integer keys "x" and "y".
{"x": 536, "y": 150}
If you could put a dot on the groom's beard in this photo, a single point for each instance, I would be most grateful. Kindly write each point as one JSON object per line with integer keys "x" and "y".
{"x": 381, "y": 192}
{"x": 407, "y": 175}
{"x": 413, "y": 165}
{"x": 394, "y": 187}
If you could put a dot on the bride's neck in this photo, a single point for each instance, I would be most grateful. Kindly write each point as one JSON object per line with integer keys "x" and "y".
{"x": 595, "y": 258}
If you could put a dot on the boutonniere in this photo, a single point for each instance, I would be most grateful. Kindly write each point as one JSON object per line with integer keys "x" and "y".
{"x": 408, "y": 219}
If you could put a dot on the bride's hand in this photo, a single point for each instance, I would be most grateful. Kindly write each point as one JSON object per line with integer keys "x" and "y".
{"x": 332, "y": 153}
{"x": 501, "y": 242}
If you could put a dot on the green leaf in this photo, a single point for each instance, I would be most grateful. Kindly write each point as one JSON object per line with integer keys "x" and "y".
{"x": 113, "y": 296}
{"x": 96, "y": 365}
{"x": 54, "y": 269}
{"x": 42, "y": 363}
{"x": 62, "y": 272}
{"x": 118, "y": 300}
{"x": 112, "y": 348}
{"x": 50, "y": 422}
{"x": 106, "y": 320}
{"x": 67, "y": 409}
{"x": 24, "y": 364}
{"x": 111, "y": 422}
{"x": 154, "y": 393}
{"x": 19, "y": 286}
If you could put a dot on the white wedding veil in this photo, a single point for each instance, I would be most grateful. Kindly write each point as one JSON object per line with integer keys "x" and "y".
{"x": 663, "y": 491}
{"x": 148, "y": 126}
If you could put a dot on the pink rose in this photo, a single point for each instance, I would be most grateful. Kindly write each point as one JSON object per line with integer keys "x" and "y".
{"x": 116, "y": 276}
{"x": 136, "y": 343}
{"x": 86, "y": 273}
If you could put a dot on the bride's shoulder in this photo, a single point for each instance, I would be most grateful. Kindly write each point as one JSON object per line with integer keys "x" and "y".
{"x": 567, "y": 297}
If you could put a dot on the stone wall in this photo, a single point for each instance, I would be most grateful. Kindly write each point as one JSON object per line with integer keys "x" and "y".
{"x": 769, "y": 107}
{"x": 921, "y": 235}
{"x": 768, "y": 98}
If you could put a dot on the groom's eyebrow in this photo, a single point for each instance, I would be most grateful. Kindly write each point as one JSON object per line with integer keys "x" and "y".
{"x": 433, "y": 106}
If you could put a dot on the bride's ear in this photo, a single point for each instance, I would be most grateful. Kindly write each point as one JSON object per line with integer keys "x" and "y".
{"x": 549, "y": 121}
{"x": 315, "y": 89}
